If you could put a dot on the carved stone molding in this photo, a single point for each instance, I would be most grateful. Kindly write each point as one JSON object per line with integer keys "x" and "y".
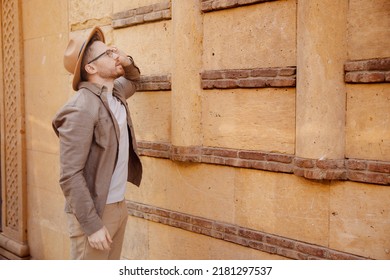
{"x": 13, "y": 238}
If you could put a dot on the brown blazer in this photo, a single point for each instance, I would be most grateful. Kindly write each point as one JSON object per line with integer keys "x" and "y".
{"x": 89, "y": 137}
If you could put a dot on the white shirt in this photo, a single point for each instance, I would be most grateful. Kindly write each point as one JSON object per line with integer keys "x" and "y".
{"x": 119, "y": 177}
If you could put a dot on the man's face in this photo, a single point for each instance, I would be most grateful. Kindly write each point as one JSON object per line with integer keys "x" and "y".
{"x": 107, "y": 65}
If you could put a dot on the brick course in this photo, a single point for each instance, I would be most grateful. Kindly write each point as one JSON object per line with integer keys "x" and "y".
{"x": 249, "y": 78}
{"x": 376, "y": 70}
{"x": 141, "y": 15}
{"x": 247, "y": 237}
{"x": 155, "y": 83}
{"x": 216, "y": 5}
{"x": 358, "y": 170}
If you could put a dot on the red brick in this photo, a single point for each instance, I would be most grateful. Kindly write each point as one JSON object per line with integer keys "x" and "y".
{"x": 154, "y": 153}
{"x": 231, "y": 229}
{"x": 264, "y": 72}
{"x": 251, "y": 234}
{"x": 213, "y": 160}
{"x": 154, "y": 86}
{"x": 259, "y": 165}
{"x": 124, "y": 14}
{"x": 220, "y": 152}
{"x": 335, "y": 175}
{"x": 356, "y": 176}
{"x": 153, "y": 16}
{"x": 186, "y": 158}
{"x": 202, "y": 230}
{"x": 365, "y": 77}
{"x": 330, "y": 164}
{"x": 118, "y": 23}
{"x": 291, "y": 254}
{"x": 239, "y": 162}
{"x": 279, "y": 241}
{"x": 211, "y": 75}
{"x": 162, "y": 213}
{"x": 280, "y": 158}
{"x": 305, "y": 163}
{"x": 377, "y": 178}
{"x": 381, "y": 64}
{"x": 180, "y": 217}
{"x": 249, "y": 164}
{"x": 383, "y": 167}
{"x": 217, "y": 234}
{"x": 144, "y": 10}
{"x": 281, "y": 82}
{"x": 262, "y": 247}
{"x": 207, "y": 6}
{"x": 387, "y": 76}
{"x": 354, "y": 66}
{"x": 311, "y": 250}
{"x": 190, "y": 150}
{"x": 278, "y": 167}
{"x": 167, "y": 14}
{"x": 235, "y": 239}
{"x": 134, "y": 213}
{"x": 207, "y": 84}
{"x": 299, "y": 172}
{"x": 252, "y": 83}
{"x": 155, "y": 78}
{"x": 356, "y": 164}
{"x": 376, "y": 64}
{"x": 202, "y": 222}
{"x": 181, "y": 225}
{"x": 336, "y": 255}
{"x": 290, "y": 71}
{"x": 222, "y": 84}
{"x": 252, "y": 155}
{"x": 144, "y": 144}
{"x": 315, "y": 174}
{"x": 161, "y": 146}
{"x": 372, "y": 77}
{"x": 236, "y": 74}
{"x": 247, "y": 2}
{"x": 218, "y": 226}
{"x": 369, "y": 177}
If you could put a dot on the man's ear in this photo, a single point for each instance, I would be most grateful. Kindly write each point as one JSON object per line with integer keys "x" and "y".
{"x": 90, "y": 69}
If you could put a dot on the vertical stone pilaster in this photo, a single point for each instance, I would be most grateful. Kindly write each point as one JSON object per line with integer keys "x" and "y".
{"x": 13, "y": 239}
{"x": 187, "y": 27}
{"x": 321, "y": 93}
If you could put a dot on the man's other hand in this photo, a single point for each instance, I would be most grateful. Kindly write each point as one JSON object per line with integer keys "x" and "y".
{"x": 100, "y": 240}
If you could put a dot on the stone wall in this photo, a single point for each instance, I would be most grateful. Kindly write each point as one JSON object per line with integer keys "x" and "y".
{"x": 263, "y": 127}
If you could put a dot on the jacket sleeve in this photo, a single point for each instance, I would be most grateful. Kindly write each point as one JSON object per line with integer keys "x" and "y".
{"x": 127, "y": 85}
{"x": 75, "y": 129}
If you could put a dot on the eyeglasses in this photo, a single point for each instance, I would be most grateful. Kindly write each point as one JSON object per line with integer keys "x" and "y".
{"x": 110, "y": 53}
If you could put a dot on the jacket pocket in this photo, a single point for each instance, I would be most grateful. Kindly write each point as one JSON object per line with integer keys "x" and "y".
{"x": 102, "y": 132}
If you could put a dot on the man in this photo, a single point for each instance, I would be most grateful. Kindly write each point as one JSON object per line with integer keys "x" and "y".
{"x": 98, "y": 152}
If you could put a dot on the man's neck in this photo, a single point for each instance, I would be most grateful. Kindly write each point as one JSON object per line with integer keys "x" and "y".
{"x": 109, "y": 84}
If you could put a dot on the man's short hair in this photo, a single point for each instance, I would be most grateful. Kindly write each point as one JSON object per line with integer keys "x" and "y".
{"x": 87, "y": 57}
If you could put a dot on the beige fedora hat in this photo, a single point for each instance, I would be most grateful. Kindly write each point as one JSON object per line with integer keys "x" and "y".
{"x": 75, "y": 51}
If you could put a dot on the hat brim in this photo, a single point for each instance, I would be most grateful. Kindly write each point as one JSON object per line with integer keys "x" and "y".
{"x": 77, "y": 71}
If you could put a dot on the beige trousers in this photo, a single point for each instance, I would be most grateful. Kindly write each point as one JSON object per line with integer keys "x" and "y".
{"x": 115, "y": 219}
